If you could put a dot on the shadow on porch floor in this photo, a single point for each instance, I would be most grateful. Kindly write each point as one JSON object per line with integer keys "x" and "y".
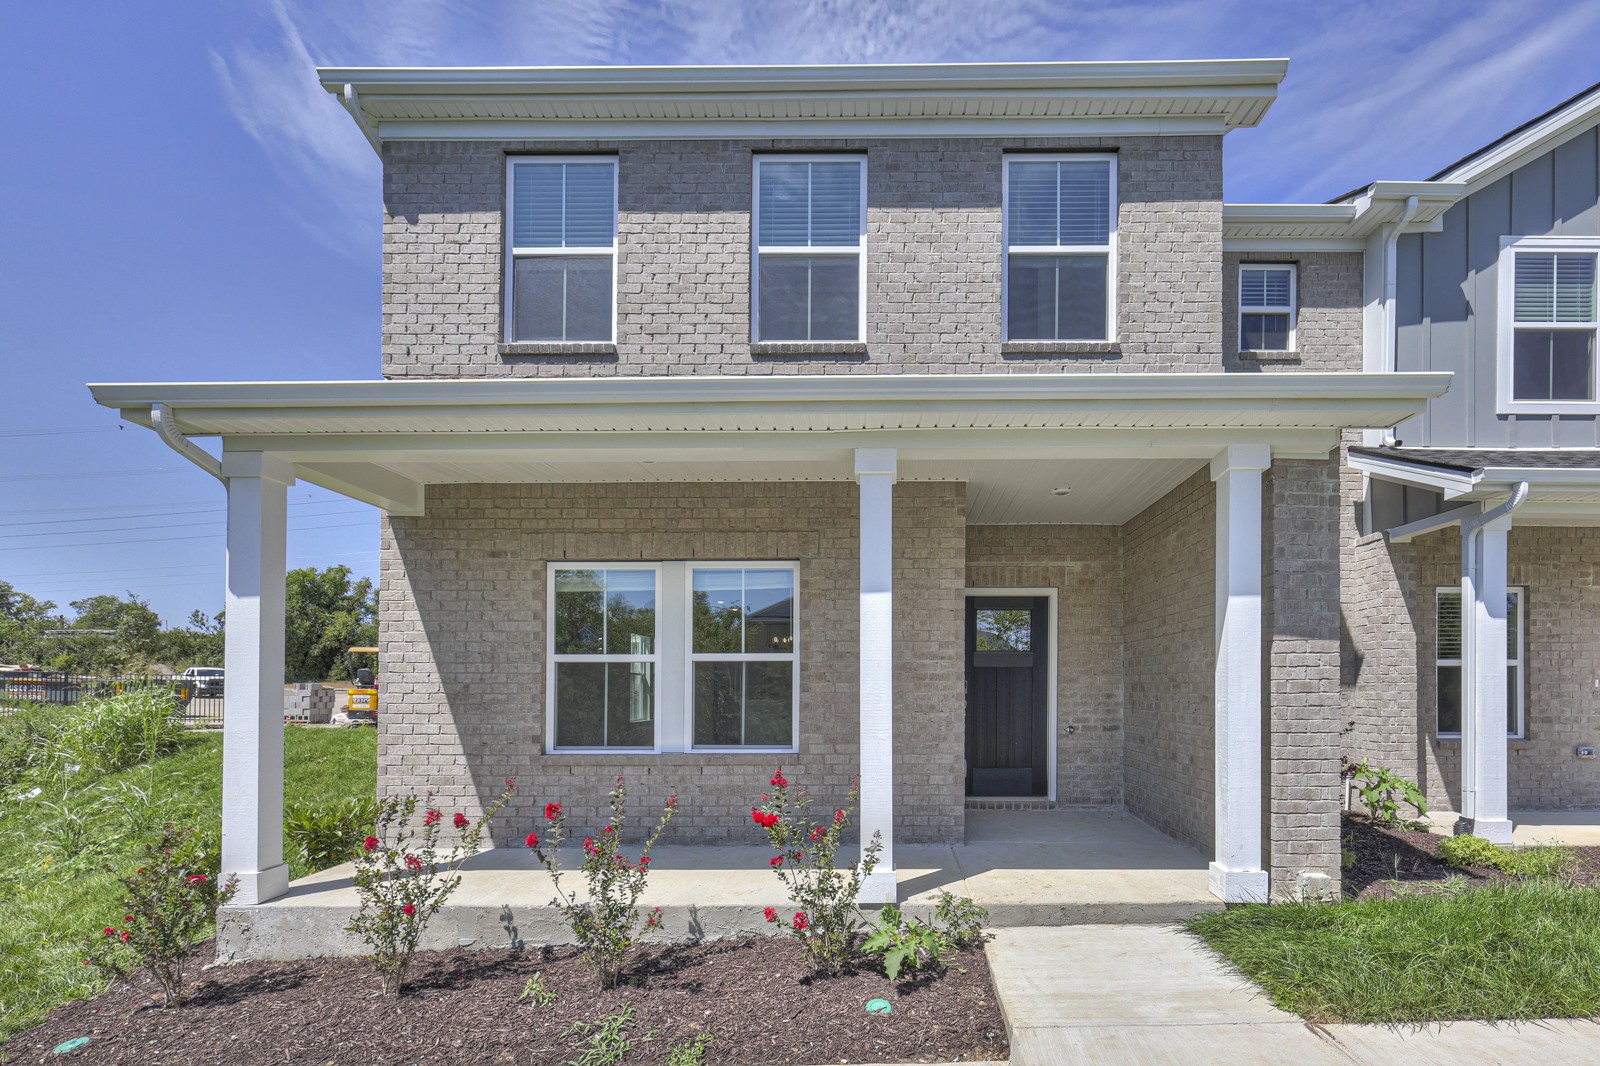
{"x": 1057, "y": 867}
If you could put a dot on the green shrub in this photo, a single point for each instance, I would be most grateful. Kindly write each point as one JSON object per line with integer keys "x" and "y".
{"x": 327, "y": 836}
{"x": 25, "y": 732}
{"x": 1538, "y": 860}
{"x": 1377, "y": 788}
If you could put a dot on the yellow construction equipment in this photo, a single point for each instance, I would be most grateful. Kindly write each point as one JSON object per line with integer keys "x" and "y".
{"x": 363, "y": 697}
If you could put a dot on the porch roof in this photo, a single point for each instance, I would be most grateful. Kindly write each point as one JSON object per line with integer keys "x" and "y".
{"x": 1563, "y": 483}
{"x": 381, "y": 441}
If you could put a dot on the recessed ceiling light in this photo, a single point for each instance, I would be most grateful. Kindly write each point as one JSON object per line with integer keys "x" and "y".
{"x": 1064, "y": 490}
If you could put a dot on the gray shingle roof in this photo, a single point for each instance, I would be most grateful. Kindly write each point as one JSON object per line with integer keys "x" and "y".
{"x": 1474, "y": 459}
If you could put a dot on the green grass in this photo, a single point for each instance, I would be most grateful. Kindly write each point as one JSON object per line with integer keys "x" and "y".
{"x": 54, "y": 847}
{"x": 1512, "y": 951}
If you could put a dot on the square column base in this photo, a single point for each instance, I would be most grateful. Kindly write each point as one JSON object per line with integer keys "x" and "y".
{"x": 1494, "y": 830}
{"x": 258, "y": 886}
{"x": 1238, "y": 886}
{"x": 879, "y": 887}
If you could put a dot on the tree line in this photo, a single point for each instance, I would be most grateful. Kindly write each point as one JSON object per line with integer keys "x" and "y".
{"x": 326, "y": 612}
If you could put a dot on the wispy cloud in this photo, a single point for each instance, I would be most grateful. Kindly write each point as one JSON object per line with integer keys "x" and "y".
{"x": 1376, "y": 89}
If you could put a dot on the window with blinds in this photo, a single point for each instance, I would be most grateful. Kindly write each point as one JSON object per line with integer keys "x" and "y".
{"x": 1448, "y": 635}
{"x": 810, "y": 235}
{"x": 1060, "y": 247}
{"x": 1267, "y": 307}
{"x": 561, "y": 249}
{"x": 1553, "y": 307}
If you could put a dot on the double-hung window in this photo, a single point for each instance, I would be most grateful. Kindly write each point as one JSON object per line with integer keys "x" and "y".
{"x": 1447, "y": 662}
{"x": 1547, "y": 325}
{"x": 1060, "y": 247}
{"x": 561, "y": 249}
{"x": 672, "y": 656}
{"x": 810, "y": 235}
{"x": 1266, "y": 307}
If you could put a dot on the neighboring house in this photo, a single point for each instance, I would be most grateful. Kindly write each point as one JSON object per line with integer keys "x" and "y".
{"x": 1472, "y": 576}
{"x": 932, "y": 424}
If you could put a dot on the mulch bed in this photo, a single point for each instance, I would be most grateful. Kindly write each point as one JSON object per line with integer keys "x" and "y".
{"x": 758, "y": 996}
{"x": 1391, "y": 862}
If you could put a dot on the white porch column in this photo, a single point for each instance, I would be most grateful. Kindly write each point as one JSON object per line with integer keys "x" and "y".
{"x": 1483, "y": 678}
{"x": 252, "y": 716}
{"x": 875, "y": 470}
{"x": 1236, "y": 873}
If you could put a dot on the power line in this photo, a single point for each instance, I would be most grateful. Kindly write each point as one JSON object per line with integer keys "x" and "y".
{"x": 60, "y": 431}
{"x": 92, "y": 473}
{"x": 160, "y": 508}
{"x": 148, "y": 569}
{"x": 134, "y": 529}
{"x": 156, "y": 540}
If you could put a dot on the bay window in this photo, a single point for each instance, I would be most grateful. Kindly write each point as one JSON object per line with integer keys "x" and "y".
{"x": 1060, "y": 247}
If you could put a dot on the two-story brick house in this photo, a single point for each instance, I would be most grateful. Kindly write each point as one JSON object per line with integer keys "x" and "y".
{"x": 885, "y": 421}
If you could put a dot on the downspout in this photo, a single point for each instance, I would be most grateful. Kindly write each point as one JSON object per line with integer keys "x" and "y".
{"x": 1391, "y": 267}
{"x": 352, "y": 103}
{"x": 166, "y": 424}
{"x": 1471, "y": 525}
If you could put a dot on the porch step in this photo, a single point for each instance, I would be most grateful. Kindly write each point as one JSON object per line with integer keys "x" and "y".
{"x": 989, "y": 803}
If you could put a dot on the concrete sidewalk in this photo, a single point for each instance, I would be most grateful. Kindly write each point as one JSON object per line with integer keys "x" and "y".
{"x": 1151, "y": 995}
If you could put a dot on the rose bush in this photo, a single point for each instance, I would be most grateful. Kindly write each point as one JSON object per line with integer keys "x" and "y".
{"x": 608, "y": 923}
{"x": 403, "y": 877}
{"x": 828, "y": 917}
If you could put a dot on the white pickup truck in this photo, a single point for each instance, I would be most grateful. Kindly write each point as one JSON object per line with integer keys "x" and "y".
{"x": 207, "y": 680}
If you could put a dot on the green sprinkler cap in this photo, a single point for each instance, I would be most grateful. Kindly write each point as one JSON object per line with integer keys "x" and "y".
{"x": 70, "y": 1046}
{"x": 879, "y": 1006}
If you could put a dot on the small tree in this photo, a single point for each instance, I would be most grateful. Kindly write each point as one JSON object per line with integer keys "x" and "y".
{"x": 608, "y": 924}
{"x": 167, "y": 903}
{"x": 829, "y": 917}
{"x": 403, "y": 878}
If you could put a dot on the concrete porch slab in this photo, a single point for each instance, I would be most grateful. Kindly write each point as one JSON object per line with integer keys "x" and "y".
{"x": 1029, "y": 868}
{"x": 1579, "y": 829}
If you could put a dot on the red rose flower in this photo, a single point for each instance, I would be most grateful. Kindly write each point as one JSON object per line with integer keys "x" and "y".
{"x": 370, "y": 844}
{"x": 778, "y": 780}
{"x": 110, "y": 931}
{"x": 607, "y": 829}
{"x": 127, "y": 917}
{"x": 816, "y": 832}
{"x": 771, "y": 914}
{"x": 838, "y": 816}
{"x": 413, "y": 864}
{"x": 125, "y": 936}
{"x": 552, "y": 811}
{"x": 533, "y": 840}
{"x": 408, "y": 910}
{"x": 431, "y": 818}
{"x": 777, "y": 860}
{"x": 461, "y": 821}
{"x": 801, "y": 921}
{"x": 644, "y": 860}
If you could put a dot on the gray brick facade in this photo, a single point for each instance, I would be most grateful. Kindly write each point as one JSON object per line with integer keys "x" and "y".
{"x": 683, "y": 268}
{"x": 1328, "y": 312}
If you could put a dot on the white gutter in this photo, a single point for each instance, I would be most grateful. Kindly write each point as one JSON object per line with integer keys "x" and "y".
{"x": 1474, "y": 524}
{"x": 352, "y": 103}
{"x": 166, "y": 423}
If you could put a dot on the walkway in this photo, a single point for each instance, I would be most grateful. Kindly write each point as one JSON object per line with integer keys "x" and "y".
{"x": 1151, "y": 995}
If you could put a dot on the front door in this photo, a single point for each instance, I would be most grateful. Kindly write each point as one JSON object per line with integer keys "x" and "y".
{"x": 1008, "y": 679}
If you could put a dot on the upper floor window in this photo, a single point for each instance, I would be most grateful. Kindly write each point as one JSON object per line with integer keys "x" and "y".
{"x": 810, "y": 234}
{"x": 1266, "y": 307}
{"x": 1547, "y": 324}
{"x": 561, "y": 249}
{"x": 1060, "y": 247}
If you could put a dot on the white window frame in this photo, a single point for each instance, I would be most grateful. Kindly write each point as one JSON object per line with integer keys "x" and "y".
{"x": 757, "y": 250}
{"x": 1505, "y": 310}
{"x": 693, "y": 657}
{"x": 513, "y": 253}
{"x": 551, "y": 658}
{"x": 1522, "y": 657}
{"x": 1290, "y": 310}
{"x": 1109, "y": 249}
{"x": 673, "y": 657}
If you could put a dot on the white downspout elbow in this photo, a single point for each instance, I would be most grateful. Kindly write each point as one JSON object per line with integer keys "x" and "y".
{"x": 166, "y": 424}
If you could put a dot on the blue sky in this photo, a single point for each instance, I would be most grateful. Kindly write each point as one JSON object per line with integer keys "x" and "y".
{"x": 185, "y": 203}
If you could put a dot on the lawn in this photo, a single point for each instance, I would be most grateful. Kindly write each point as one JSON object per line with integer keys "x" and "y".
{"x": 54, "y": 847}
{"x": 1514, "y": 950}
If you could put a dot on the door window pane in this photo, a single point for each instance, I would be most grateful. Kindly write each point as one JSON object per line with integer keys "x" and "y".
{"x": 1056, "y": 297}
{"x": 1004, "y": 630}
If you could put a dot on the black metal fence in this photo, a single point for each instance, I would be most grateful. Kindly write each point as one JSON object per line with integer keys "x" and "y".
{"x": 201, "y": 700}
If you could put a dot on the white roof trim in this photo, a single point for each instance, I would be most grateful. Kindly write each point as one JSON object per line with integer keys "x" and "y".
{"x": 1345, "y": 225}
{"x": 1491, "y": 164}
{"x": 1480, "y": 484}
{"x": 1182, "y": 96}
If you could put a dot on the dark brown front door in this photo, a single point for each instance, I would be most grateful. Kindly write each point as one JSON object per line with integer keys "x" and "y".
{"x": 1008, "y": 679}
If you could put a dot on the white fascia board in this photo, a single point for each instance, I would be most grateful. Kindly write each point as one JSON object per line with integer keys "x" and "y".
{"x": 1557, "y": 129}
{"x": 886, "y": 126}
{"x": 1353, "y": 220}
{"x": 1451, "y": 484}
{"x": 1506, "y": 478}
{"x": 1287, "y": 244}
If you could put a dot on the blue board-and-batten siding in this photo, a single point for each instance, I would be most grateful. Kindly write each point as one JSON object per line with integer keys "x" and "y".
{"x": 1447, "y": 288}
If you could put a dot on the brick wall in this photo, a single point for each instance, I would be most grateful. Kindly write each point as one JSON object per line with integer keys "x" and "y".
{"x": 1084, "y": 564}
{"x": 1169, "y": 590}
{"x": 934, "y": 259}
{"x": 462, "y": 631}
{"x": 1300, "y": 623}
{"x": 1328, "y": 320}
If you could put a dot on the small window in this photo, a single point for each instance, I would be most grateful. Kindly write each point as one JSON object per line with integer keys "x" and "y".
{"x": 742, "y": 656}
{"x": 1548, "y": 325}
{"x": 1060, "y": 248}
{"x": 603, "y": 661}
{"x": 1266, "y": 308}
{"x": 810, "y": 233}
{"x": 561, "y": 249}
{"x": 1447, "y": 660}
{"x": 1004, "y": 630}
